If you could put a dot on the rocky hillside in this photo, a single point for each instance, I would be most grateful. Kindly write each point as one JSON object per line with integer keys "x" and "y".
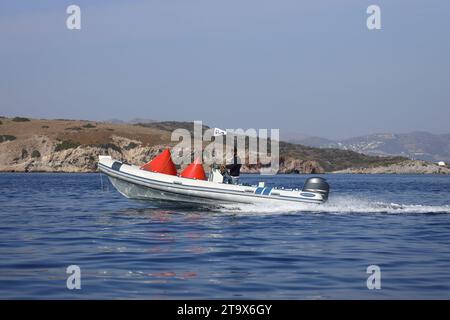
{"x": 74, "y": 145}
{"x": 333, "y": 159}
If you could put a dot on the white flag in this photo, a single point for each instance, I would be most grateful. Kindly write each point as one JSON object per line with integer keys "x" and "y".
{"x": 219, "y": 132}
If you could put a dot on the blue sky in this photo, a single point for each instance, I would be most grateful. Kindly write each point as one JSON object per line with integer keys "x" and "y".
{"x": 305, "y": 66}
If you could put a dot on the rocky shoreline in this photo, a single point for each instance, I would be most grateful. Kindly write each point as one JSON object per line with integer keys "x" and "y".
{"x": 84, "y": 160}
{"x": 19, "y": 157}
{"x": 405, "y": 167}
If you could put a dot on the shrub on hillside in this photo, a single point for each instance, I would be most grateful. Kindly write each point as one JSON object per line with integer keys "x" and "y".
{"x": 35, "y": 154}
{"x": 130, "y": 146}
{"x": 111, "y": 146}
{"x": 7, "y": 137}
{"x": 20, "y": 119}
{"x": 66, "y": 144}
{"x": 73, "y": 128}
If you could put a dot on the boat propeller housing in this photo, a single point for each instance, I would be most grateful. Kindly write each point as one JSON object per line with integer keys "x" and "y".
{"x": 317, "y": 184}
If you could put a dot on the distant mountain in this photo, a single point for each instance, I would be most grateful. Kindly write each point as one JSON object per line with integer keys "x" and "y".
{"x": 415, "y": 145}
{"x": 316, "y": 142}
{"x": 141, "y": 120}
{"x": 132, "y": 121}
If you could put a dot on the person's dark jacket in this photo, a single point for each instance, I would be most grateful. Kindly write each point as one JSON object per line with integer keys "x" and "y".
{"x": 235, "y": 167}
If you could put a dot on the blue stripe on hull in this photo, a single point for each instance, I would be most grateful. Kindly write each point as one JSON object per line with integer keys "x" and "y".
{"x": 259, "y": 190}
{"x": 116, "y": 166}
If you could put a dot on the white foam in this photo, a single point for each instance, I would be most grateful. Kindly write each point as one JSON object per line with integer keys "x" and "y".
{"x": 339, "y": 205}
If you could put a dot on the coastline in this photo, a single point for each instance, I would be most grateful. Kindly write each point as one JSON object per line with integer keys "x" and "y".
{"x": 73, "y": 146}
{"x": 405, "y": 167}
{"x": 351, "y": 171}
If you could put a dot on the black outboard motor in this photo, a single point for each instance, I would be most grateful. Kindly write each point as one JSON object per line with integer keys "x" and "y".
{"x": 317, "y": 184}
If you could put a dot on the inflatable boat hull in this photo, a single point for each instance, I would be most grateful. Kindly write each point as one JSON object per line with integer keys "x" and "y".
{"x": 134, "y": 183}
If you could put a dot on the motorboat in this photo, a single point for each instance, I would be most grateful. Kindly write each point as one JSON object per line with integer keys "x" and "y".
{"x": 159, "y": 181}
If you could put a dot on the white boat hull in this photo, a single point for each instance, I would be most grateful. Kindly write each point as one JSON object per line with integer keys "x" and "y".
{"x": 132, "y": 182}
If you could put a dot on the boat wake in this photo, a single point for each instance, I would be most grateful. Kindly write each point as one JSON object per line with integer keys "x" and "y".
{"x": 340, "y": 205}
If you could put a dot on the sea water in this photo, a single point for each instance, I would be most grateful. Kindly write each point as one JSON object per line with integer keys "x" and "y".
{"x": 129, "y": 249}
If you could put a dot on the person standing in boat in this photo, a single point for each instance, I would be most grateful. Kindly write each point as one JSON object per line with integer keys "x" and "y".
{"x": 234, "y": 169}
